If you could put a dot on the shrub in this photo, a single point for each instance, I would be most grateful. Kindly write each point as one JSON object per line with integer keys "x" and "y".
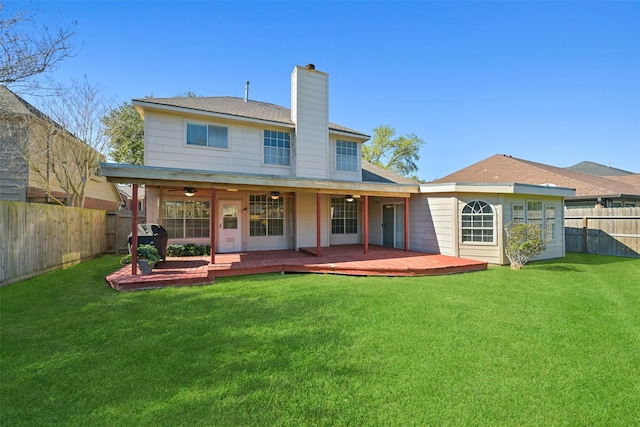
{"x": 524, "y": 241}
{"x": 190, "y": 249}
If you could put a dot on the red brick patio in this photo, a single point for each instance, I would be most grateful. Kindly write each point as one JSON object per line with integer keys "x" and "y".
{"x": 346, "y": 259}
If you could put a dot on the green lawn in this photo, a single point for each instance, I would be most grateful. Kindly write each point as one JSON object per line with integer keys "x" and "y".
{"x": 557, "y": 343}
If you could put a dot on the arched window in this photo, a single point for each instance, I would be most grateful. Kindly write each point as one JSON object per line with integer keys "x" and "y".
{"x": 477, "y": 223}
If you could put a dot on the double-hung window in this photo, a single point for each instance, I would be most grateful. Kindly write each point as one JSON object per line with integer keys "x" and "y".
{"x": 543, "y": 215}
{"x": 186, "y": 218}
{"x": 266, "y": 216}
{"x": 477, "y": 223}
{"x": 518, "y": 214}
{"x": 535, "y": 214}
{"x": 207, "y": 135}
{"x": 277, "y": 148}
{"x": 344, "y": 216}
{"x": 346, "y": 156}
{"x": 549, "y": 223}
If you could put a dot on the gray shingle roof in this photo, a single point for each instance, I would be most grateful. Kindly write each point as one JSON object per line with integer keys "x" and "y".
{"x": 12, "y": 103}
{"x": 598, "y": 169}
{"x": 375, "y": 173}
{"x": 237, "y": 107}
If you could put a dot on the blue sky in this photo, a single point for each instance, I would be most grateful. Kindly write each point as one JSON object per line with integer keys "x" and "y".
{"x": 552, "y": 82}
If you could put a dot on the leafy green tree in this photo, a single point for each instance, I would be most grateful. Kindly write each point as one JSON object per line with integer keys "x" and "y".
{"x": 125, "y": 129}
{"x": 524, "y": 241}
{"x": 398, "y": 154}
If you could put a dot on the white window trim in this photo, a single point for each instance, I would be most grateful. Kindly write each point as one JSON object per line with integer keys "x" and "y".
{"x": 271, "y": 165}
{"x": 525, "y": 205}
{"x": 355, "y": 203}
{"x": 335, "y": 157}
{"x": 495, "y": 225}
{"x": 206, "y": 147}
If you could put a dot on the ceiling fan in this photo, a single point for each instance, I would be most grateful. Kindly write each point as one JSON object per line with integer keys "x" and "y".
{"x": 188, "y": 191}
{"x": 275, "y": 195}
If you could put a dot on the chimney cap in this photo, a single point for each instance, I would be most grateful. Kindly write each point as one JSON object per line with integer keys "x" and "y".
{"x": 310, "y": 67}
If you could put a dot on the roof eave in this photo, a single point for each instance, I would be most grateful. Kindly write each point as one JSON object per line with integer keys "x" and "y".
{"x": 151, "y": 175}
{"x": 496, "y": 187}
{"x": 360, "y": 136}
{"x": 141, "y": 105}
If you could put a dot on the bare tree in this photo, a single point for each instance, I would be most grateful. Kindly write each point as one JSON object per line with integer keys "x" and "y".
{"x": 76, "y": 141}
{"x": 27, "y": 49}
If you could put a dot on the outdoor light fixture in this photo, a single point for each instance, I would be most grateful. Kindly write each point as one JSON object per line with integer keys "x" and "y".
{"x": 189, "y": 191}
{"x": 348, "y": 198}
{"x": 275, "y": 195}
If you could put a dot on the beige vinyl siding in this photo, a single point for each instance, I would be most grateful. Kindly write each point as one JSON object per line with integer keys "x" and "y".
{"x": 152, "y": 196}
{"x": 165, "y": 146}
{"x": 489, "y": 252}
{"x": 99, "y": 188}
{"x": 555, "y": 248}
{"x": 430, "y": 225}
{"x": 344, "y": 175}
{"x": 310, "y": 112}
{"x": 306, "y": 220}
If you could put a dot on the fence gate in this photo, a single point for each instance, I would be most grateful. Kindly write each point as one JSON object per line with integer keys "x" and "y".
{"x": 118, "y": 229}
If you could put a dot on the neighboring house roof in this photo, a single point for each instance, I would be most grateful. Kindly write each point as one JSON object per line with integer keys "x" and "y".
{"x": 375, "y": 173}
{"x": 633, "y": 179}
{"x": 236, "y": 107}
{"x": 15, "y": 106}
{"x": 502, "y": 168}
{"x": 12, "y": 103}
{"x": 127, "y": 191}
{"x": 598, "y": 169}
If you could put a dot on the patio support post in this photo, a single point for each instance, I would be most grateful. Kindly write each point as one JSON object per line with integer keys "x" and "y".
{"x": 212, "y": 225}
{"x": 406, "y": 224}
{"x": 366, "y": 224}
{"x": 318, "y": 234}
{"x": 134, "y": 231}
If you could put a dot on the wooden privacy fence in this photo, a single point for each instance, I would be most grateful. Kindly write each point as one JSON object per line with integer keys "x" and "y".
{"x": 118, "y": 229}
{"x": 603, "y": 231}
{"x": 36, "y": 238}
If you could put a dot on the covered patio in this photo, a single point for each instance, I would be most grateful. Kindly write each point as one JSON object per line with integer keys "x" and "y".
{"x": 344, "y": 259}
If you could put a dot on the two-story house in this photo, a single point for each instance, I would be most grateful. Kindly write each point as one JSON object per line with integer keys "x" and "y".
{"x": 284, "y": 178}
{"x": 246, "y": 175}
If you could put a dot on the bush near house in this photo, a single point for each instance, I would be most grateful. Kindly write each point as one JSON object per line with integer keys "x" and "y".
{"x": 523, "y": 242}
{"x": 190, "y": 249}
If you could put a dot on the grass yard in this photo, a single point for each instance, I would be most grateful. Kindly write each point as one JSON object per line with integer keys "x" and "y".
{"x": 557, "y": 343}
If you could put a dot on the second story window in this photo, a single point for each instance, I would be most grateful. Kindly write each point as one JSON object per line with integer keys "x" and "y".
{"x": 207, "y": 135}
{"x": 346, "y": 156}
{"x": 277, "y": 147}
